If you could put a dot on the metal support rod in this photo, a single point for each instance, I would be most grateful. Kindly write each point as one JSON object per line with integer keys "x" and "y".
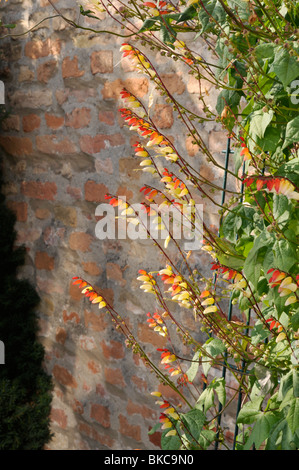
{"x": 227, "y": 152}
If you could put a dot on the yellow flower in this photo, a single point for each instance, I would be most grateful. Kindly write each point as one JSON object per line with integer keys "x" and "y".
{"x": 291, "y": 300}
{"x": 156, "y": 394}
{"x": 208, "y": 301}
{"x": 171, "y": 433}
{"x": 210, "y": 309}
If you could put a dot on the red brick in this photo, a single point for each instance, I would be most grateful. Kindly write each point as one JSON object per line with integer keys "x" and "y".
{"x": 114, "y": 377}
{"x": 80, "y": 241}
{"x": 87, "y": 343}
{"x": 39, "y": 190}
{"x": 217, "y": 140}
{"x": 101, "y": 62}
{"x": 155, "y": 438}
{"x": 114, "y": 350}
{"x": 123, "y": 191}
{"x": 53, "y": 235}
{"x": 16, "y": 146}
{"x": 95, "y": 321}
{"x": 147, "y": 335}
{"x": 44, "y": 261}
{"x": 62, "y": 95}
{"x": 25, "y": 74}
{"x": 92, "y": 268}
{"x": 114, "y": 273}
{"x": 78, "y": 118}
{"x": 28, "y": 235}
{"x": 34, "y": 99}
{"x": 107, "y": 117}
{"x": 46, "y": 71}
{"x": 70, "y": 68}
{"x": 82, "y": 95}
{"x": 191, "y": 147}
{"x": 145, "y": 411}
{"x": 95, "y": 192}
{"x": 163, "y": 116}
{"x": 20, "y": 209}
{"x": 75, "y": 293}
{"x": 60, "y": 335}
{"x": 127, "y": 167}
{"x": 73, "y": 316}
{"x": 75, "y": 193}
{"x": 129, "y": 430}
{"x": 138, "y": 86}
{"x": 101, "y": 414}
{"x": 173, "y": 82}
{"x": 31, "y": 122}
{"x": 50, "y": 145}
{"x": 78, "y": 407}
{"x": 37, "y": 48}
{"x": 207, "y": 172}
{"x": 42, "y": 213}
{"x": 141, "y": 384}
{"x": 91, "y": 145}
{"x": 95, "y": 435}
{"x": 59, "y": 417}
{"x": 93, "y": 367}
{"x": 63, "y": 376}
{"x": 11, "y": 123}
{"x": 54, "y": 122}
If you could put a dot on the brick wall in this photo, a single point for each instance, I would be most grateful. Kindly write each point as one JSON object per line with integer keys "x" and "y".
{"x": 64, "y": 146}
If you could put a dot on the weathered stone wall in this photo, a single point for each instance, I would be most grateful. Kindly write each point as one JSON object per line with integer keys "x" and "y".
{"x": 64, "y": 146}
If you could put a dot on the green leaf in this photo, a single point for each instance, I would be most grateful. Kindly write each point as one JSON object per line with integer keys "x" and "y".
{"x": 255, "y": 259}
{"x": 206, "y": 400}
{"x": 296, "y": 382}
{"x": 250, "y": 411}
{"x": 149, "y": 24}
{"x": 193, "y": 369}
{"x": 219, "y": 387}
{"x": 280, "y": 436}
{"x": 170, "y": 442}
{"x": 292, "y": 132}
{"x": 212, "y": 9}
{"x": 281, "y": 209}
{"x": 290, "y": 169}
{"x": 206, "y": 438}
{"x": 259, "y": 121}
{"x": 237, "y": 222}
{"x": 193, "y": 422}
{"x": 187, "y": 14}
{"x": 214, "y": 347}
{"x": 271, "y": 139}
{"x": 154, "y": 429}
{"x": 286, "y": 383}
{"x": 263, "y": 376}
{"x": 285, "y": 66}
{"x": 285, "y": 255}
{"x": 259, "y": 332}
{"x": 229, "y": 98}
{"x": 295, "y": 321}
{"x": 241, "y": 7}
{"x": 261, "y": 430}
{"x": 293, "y": 415}
{"x": 264, "y": 51}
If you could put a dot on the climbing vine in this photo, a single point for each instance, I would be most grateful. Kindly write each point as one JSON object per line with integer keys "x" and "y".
{"x": 254, "y": 254}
